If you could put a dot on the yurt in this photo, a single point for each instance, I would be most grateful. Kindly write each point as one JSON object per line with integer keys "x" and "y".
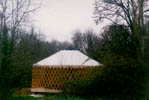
{"x": 50, "y": 74}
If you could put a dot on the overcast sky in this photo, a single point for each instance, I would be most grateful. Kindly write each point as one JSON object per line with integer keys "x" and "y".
{"x": 58, "y": 19}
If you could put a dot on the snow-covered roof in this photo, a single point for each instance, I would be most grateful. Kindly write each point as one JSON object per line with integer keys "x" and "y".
{"x": 68, "y": 58}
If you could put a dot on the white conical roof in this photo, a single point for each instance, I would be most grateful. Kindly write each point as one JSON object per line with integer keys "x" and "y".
{"x": 68, "y": 58}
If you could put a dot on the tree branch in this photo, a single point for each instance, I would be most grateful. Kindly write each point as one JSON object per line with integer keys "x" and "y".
{"x": 147, "y": 10}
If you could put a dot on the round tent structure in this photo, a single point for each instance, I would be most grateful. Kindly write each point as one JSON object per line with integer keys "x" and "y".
{"x": 49, "y": 74}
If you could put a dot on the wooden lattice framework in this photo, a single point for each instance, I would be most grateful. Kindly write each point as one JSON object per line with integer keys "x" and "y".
{"x": 52, "y": 78}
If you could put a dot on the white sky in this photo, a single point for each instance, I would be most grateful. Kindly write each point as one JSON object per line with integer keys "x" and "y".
{"x": 58, "y": 19}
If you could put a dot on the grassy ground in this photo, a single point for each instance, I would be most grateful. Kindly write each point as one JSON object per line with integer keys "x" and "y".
{"x": 52, "y": 97}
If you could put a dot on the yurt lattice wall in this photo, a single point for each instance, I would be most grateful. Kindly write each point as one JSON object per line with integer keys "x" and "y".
{"x": 54, "y": 77}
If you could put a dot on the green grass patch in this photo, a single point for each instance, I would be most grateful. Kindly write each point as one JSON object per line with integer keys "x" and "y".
{"x": 53, "y": 97}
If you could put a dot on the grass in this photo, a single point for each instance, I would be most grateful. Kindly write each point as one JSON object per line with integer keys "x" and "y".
{"x": 53, "y": 97}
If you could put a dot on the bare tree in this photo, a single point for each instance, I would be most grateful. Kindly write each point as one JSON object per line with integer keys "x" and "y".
{"x": 15, "y": 12}
{"x": 78, "y": 41}
{"x": 132, "y": 13}
{"x": 14, "y": 15}
{"x": 87, "y": 42}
